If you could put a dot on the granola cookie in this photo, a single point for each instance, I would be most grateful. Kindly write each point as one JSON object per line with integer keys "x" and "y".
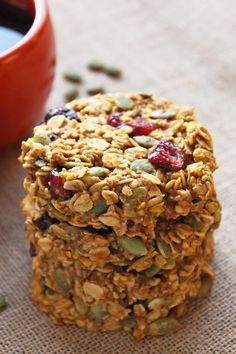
{"x": 121, "y": 206}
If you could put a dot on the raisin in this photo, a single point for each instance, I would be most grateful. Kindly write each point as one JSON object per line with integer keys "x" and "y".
{"x": 44, "y": 221}
{"x": 168, "y": 156}
{"x": 64, "y": 111}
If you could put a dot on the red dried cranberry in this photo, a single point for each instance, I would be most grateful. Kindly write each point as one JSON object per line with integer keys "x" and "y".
{"x": 142, "y": 127}
{"x": 168, "y": 156}
{"x": 56, "y": 188}
{"x": 64, "y": 111}
{"x": 114, "y": 120}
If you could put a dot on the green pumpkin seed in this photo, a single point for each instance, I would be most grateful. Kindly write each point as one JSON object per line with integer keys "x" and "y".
{"x": 72, "y": 76}
{"x": 194, "y": 222}
{"x": 40, "y": 163}
{"x": 145, "y": 95}
{"x": 145, "y": 141}
{"x": 94, "y": 90}
{"x": 206, "y": 285}
{"x": 49, "y": 292}
{"x": 71, "y": 94}
{"x": 133, "y": 245}
{"x": 70, "y": 229}
{"x": 42, "y": 139}
{"x": 81, "y": 308}
{"x": 61, "y": 280}
{"x": 159, "y": 114}
{"x": 128, "y": 323}
{"x": 143, "y": 165}
{"x": 98, "y": 171}
{"x": 152, "y": 271}
{"x": 163, "y": 247}
{"x": 97, "y": 312}
{"x": 95, "y": 65}
{"x": 124, "y": 103}
{"x": 163, "y": 326}
{"x": 112, "y": 71}
{"x": 3, "y": 302}
{"x": 83, "y": 252}
{"x": 100, "y": 207}
{"x": 139, "y": 192}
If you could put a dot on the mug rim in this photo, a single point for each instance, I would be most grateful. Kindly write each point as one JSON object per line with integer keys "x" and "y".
{"x": 39, "y": 18}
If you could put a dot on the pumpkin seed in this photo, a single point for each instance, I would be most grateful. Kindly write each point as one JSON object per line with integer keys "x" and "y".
{"x": 128, "y": 323}
{"x": 97, "y": 311}
{"x": 61, "y": 280}
{"x": 145, "y": 94}
{"x": 100, "y": 207}
{"x": 152, "y": 271}
{"x": 143, "y": 165}
{"x": 94, "y": 90}
{"x": 71, "y": 94}
{"x": 163, "y": 326}
{"x": 124, "y": 103}
{"x": 72, "y": 76}
{"x": 81, "y": 308}
{"x": 206, "y": 284}
{"x": 112, "y": 71}
{"x": 42, "y": 139}
{"x": 49, "y": 292}
{"x": 139, "y": 192}
{"x": 70, "y": 229}
{"x": 194, "y": 222}
{"x": 83, "y": 252}
{"x": 144, "y": 141}
{"x": 163, "y": 247}
{"x": 95, "y": 65}
{"x": 40, "y": 163}
{"x": 3, "y": 302}
{"x": 159, "y": 114}
{"x": 133, "y": 245}
{"x": 98, "y": 171}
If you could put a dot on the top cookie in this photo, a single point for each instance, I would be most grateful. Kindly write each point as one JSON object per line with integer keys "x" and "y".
{"x": 119, "y": 161}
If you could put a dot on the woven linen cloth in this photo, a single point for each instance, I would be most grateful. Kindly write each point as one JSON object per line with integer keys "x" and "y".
{"x": 182, "y": 50}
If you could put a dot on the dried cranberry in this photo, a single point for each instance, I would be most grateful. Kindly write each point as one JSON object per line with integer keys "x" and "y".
{"x": 44, "y": 221}
{"x": 168, "y": 156}
{"x": 142, "y": 127}
{"x": 56, "y": 188}
{"x": 114, "y": 120}
{"x": 64, "y": 111}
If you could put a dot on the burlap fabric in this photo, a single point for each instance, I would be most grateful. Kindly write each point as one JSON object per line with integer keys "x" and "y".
{"x": 184, "y": 50}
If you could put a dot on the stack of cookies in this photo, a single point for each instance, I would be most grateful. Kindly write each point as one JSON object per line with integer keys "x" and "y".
{"x": 120, "y": 212}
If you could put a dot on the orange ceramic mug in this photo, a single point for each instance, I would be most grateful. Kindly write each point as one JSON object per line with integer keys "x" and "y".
{"x": 26, "y": 73}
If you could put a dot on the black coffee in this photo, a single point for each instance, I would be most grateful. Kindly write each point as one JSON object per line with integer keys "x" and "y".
{"x": 14, "y": 24}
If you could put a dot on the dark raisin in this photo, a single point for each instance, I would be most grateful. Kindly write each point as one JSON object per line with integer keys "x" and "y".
{"x": 142, "y": 127}
{"x": 130, "y": 224}
{"x": 103, "y": 231}
{"x": 55, "y": 184}
{"x": 32, "y": 250}
{"x": 53, "y": 137}
{"x": 114, "y": 120}
{"x": 64, "y": 111}
{"x": 44, "y": 221}
{"x": 168, "y": 156}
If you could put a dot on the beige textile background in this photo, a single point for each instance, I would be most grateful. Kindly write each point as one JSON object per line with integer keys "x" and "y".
{"x": 184, "y": 50}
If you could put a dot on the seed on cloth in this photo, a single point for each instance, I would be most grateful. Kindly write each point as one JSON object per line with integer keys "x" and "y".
{"x": 3, "y": 302}
{"x": 72, "y": 76}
